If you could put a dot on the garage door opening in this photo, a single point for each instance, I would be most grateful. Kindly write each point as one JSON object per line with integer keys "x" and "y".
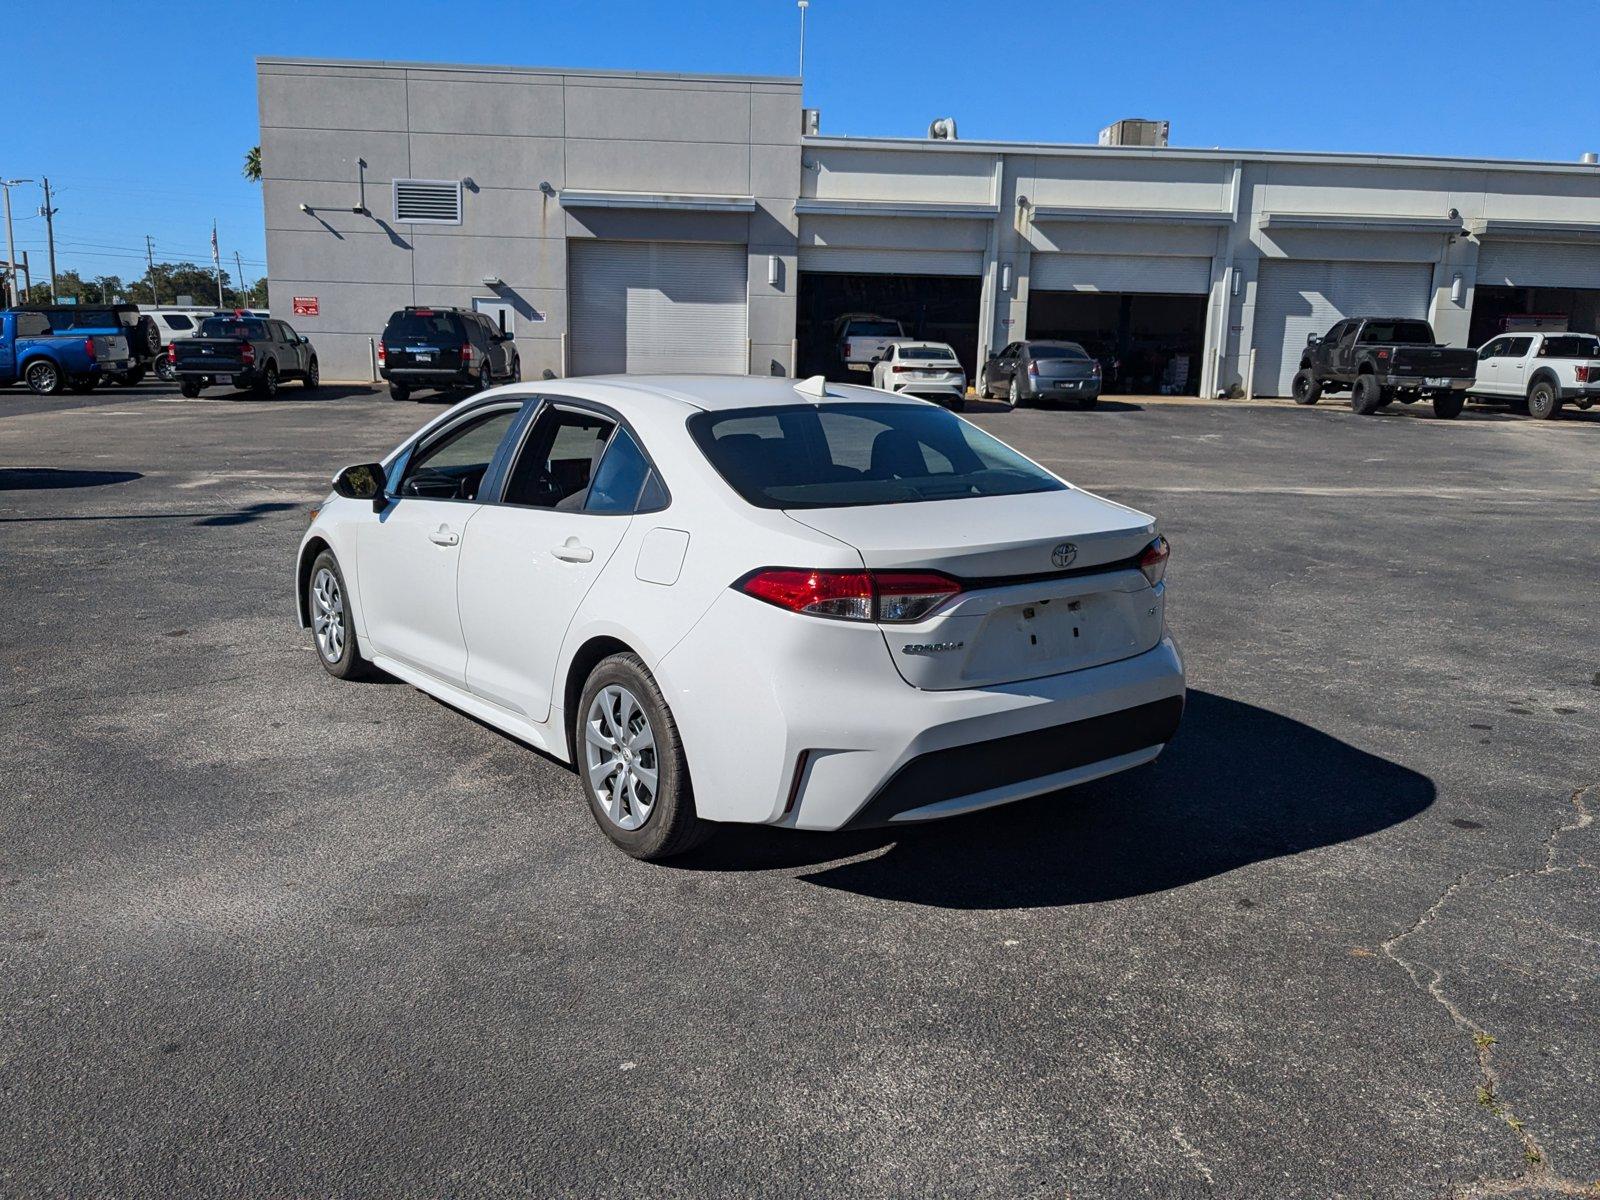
{"x": 1146, "y": 344}
{"x": 937, "y": 308}
{"x": 1497, "y": 310}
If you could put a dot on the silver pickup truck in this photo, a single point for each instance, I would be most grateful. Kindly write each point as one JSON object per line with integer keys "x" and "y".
{"x": 1545, "y": 371}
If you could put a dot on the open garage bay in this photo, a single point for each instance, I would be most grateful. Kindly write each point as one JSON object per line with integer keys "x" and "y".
{"x": 262, "y": 932}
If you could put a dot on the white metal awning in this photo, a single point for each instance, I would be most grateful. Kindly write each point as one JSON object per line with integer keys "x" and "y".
{"x": 1361, "y": 222}
{"x": 661, "y": 201}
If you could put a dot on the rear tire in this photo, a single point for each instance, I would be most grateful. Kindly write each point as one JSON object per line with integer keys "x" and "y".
{"x": 485, "y": 378}
{"x": 1366, "y": 396}
{"x": 397, "y": 392}
{"x": 983, "y": 385}
{"x": 1305, "y": 389}
{"x": 190, "y": 388}
{"x": 266, "y": 385}
{"x": 44, "y": 377}
{"x": 1014, "y": 396}
{"x": 1448, "y": 405}
{"x": 165, "y": 371}
{"x": 1544, "y": 402}
{"x": 609, "y": 749}
{"x": 332, "y": 624}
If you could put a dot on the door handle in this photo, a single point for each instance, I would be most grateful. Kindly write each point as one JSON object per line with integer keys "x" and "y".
{"x": 444, "y": 536}
{"x": 572, "y": 551}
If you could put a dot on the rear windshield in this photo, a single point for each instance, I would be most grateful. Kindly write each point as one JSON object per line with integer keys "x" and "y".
{"x": 83, "y": 318}
{"x": 872, "y": 329}
{"x": 1398, "y": 333}
{"x": 1570, "y": 347}
{"x": 1056, "y": 351}
{"x": 248, "y": 328}
{"x": 845, "y": 455}
{"x": 927, "y": 353}
{"x": 419, "y": 326}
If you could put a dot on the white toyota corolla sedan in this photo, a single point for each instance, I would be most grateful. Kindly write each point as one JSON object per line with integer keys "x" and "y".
{"x": 807, "y": 605}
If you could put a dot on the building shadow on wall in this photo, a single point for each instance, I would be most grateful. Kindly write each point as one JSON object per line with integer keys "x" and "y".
{"x": 1238, "y": 785}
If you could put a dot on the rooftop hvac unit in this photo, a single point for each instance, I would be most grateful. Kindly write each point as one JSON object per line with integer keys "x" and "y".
{"x": 1135, "y": 131}
{"x": 810, "y": 121}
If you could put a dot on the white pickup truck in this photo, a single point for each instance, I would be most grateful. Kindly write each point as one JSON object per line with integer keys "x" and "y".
{"x": 861, "y": 338}
{"x": 1547, "y": 370}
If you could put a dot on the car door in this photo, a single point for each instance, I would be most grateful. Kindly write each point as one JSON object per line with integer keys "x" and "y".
{"x": 568, "y": 498}
{"x": 296, "y": 352}
{"x": 407, "y": 555}
{"x": 1514, "y": 359}
{"x": 1005, "y": 366}
{"x": 1488, "y": 380}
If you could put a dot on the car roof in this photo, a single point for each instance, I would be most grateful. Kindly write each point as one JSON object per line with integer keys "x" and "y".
{"x": 711, "y": 393}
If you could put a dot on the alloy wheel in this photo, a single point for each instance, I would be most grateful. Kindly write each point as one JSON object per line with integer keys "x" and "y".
{"x": 620, "y": 752}
{"x": 327, "y": 614}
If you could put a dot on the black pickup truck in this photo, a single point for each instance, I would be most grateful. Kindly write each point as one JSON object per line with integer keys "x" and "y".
{"x": 252, "y": 352}
{"x": 1380, "y": 359}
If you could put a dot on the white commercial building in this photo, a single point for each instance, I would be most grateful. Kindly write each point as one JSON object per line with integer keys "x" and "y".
{"x": 638, "y": 221}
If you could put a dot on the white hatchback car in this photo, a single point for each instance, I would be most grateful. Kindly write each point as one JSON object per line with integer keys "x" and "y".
{"x": 743, "y": 599}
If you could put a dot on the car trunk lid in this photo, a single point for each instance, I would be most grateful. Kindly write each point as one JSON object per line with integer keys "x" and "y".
{"x": 1065, "y": 368}
{"x": 1050, "y": 583}
{"x": 220, "y": 354}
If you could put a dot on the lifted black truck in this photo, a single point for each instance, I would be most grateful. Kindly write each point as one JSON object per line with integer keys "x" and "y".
{"x": 1381, "y": 359}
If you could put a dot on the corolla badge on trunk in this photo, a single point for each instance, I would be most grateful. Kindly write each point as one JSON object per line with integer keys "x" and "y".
{"x": 1063, "y": 554}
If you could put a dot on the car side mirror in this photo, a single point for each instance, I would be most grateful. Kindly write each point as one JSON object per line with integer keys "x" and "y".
{"x": 363, "y": 481}
{"x": 876, "y": 359}
{"x": 1313, "y": 338}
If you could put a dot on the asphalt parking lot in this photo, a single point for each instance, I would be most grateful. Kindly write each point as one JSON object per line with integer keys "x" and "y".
{"x": 266, "y": 933}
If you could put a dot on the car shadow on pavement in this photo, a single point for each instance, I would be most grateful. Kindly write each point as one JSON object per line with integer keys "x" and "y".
{"x": 1106, "y": 405}
{"x": 1237, "y": 785}
{"x": 28, "y": 479}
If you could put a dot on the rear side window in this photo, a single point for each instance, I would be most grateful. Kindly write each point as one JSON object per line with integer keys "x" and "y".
{"x": 65, "y": 320}
{"x": 178, "y": 321}
{"x": 1398, "y": 333}
{"x": 32, "y": 325}
{"x": 1570, "y": 347}
{"x": 250, "y": 328}
{"x": 423, "y": 326}
{"x": 845, "y": 455}
{"x": 620, "y": 478}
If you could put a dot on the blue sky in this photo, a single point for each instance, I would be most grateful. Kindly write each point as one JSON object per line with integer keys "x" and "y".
{"x": 1397, "y": 77}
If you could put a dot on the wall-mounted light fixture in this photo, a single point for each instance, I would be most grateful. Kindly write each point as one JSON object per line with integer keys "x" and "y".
{"x": 1236, "y": 280}
{"x": 492, "y": 281}
{"x": 1455, "y": 288}
{"x": 305, "y": 208}
{"x": 547, "y": 188}
{"x": 1005, "y": 277}
{"x": 774, "y": 270}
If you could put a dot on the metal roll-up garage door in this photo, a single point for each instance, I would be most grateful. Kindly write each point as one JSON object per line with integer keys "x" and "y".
{"x": 843, "y": 260}
{"x": 644, "y": 307}
{"x": 1295, "y": 299}
{"x": 1538, "y": 264}
{"x": 1170, "y": 275}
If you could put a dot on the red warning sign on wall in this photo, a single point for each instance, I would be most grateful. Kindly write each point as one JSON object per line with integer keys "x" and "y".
{"x": 306, "y": 306}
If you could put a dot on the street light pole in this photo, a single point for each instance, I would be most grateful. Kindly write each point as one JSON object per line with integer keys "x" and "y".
{"x": 804, "y": 4}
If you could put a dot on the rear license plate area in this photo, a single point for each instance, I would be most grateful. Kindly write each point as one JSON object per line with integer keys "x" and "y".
{"x": 1436, "y": 381}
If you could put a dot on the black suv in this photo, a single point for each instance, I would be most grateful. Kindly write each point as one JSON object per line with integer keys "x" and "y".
{"x": 445, "y": 349}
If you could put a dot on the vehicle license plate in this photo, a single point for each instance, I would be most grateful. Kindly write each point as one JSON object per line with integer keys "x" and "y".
{"x": 424, "y": 356}
{"x": 1437, "y": 381}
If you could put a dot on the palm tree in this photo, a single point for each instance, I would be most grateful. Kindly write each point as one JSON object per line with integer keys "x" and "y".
{"x": 252, "y": 164}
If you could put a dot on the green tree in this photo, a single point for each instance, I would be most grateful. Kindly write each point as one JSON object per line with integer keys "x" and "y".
{"x": 71, "y": 287}
{"x": 252, "y": 164}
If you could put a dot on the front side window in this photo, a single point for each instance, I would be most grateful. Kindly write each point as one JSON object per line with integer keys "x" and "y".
{"x": 1491, "y": 349}
{"x": 558, "y": 460}
{"x": 845, "y": 455}
{"x": 872, "y": 329}
{"x": 453, "y": 466}
{"x": 1517, "y": 347}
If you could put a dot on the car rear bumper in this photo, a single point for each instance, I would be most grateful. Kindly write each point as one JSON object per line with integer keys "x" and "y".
{"x": 816, "y": 729}
{"x": 931, "y": 391}
{"x": 1581, "y": 391}
{"x": 1066, "y": 389}
{"x": 439, "y": 377}
{"x": 214, "y": 371}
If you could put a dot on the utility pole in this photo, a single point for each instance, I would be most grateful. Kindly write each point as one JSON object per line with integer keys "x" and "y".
{"x": 150, "y": 259}
{"x": 238, "y": 265}
{"x": 48, "y": 214}
{"x": 27, "y": 275}
{"x": 804, "y": 4}
{"x": 10, "y": 277}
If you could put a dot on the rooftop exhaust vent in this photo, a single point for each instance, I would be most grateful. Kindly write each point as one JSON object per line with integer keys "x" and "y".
{"x": 943, "y": 129}
{"x": 1135, "y": 131}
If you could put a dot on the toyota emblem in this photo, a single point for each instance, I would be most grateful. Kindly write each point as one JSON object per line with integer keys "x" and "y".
{"x": 1063, "y": 554}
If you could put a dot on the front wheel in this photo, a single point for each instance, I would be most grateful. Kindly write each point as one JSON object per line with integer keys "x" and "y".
{"x": 44, "y": 377}
{"x": 1366, "y": 397}
{"x": 1014, "y": 395}
{"x": 983, "y": 384}
{"x": 1305, "y": 389}
{"x": 332, "y": 625}
{"x": 313, "y": 379}
{"x": 516, "y": 370}
{"x": 631, "y": 760}
{"x": 485, "y": 378}
{"x": 1544, "y": 402}
{"x": 1447, "y": 405}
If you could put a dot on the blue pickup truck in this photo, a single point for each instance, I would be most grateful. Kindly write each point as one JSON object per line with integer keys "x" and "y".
{"x": 49, "y": 362}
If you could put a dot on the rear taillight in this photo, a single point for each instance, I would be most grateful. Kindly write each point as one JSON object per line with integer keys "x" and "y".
{"x": 1153, "y": 562}
{"x": 847, "y": 349}
{"x": 247, "y": 352}
{"x": 898, "y": 369}
{"x": 1033, "y": 367}
{"x": 1094, "y": 368}
{"x": 893, "y": 596}
{"x": 1581, "y": 374}
{"x": 383, "y": 354}
{"x": 466, "y": 353}
{"x": 88, "y": 348}
{"x": 172, "y": 352}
